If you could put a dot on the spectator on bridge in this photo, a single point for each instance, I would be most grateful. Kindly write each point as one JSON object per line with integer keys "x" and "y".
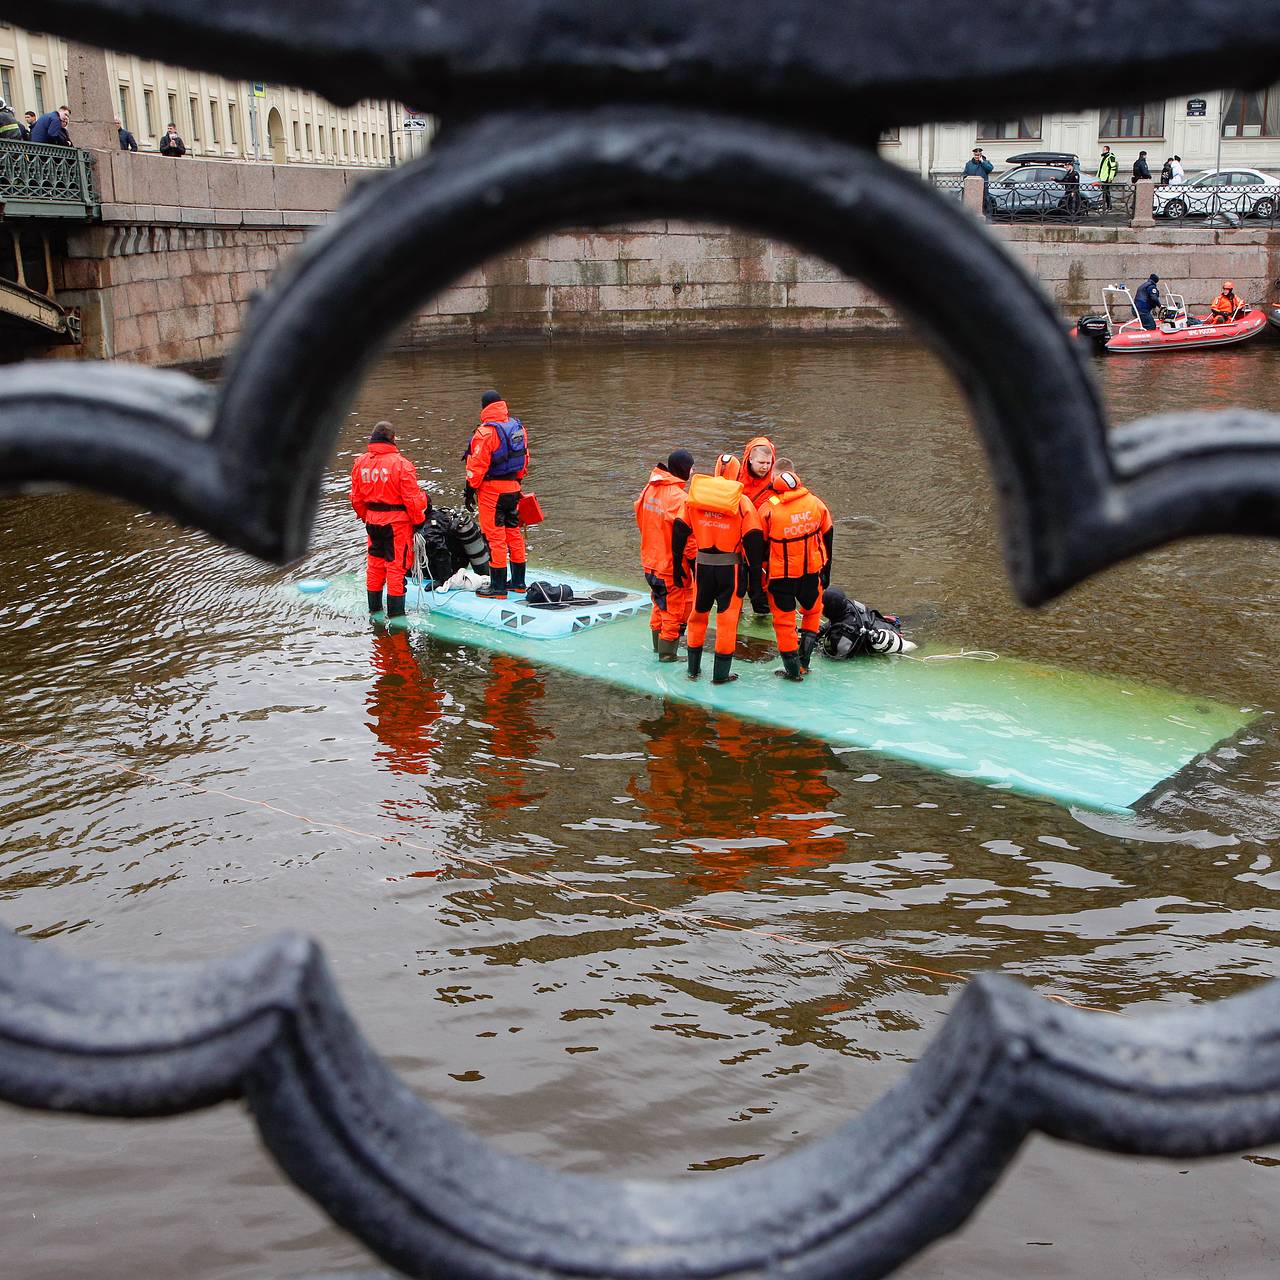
{"x": 1071, "y": 181}
{"x": 127, "y": 141}
{"x": 10, "y": 129}
{"x": 1140, "y": 167}
{"x": 1108, "y": 167}
{"x": 171, "y": 144}
{"x": 1166, "y": 172}
{"x": 1179, "y": 174}
{"x": 52, "y": 127}
{"x": 28, "y": 123}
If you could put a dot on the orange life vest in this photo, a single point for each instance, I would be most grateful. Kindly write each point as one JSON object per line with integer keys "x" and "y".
{"x": 794, "y": 523}
{"x": 718, "y": 514}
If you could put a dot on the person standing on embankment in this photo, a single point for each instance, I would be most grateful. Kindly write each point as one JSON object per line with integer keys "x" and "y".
{"x": 497, "y": 461}
{"x": 387, "y": 499}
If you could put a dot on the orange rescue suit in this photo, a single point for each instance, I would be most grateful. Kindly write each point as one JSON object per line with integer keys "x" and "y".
{"x": 1224, "y": 306}
{"x": 729, "y": 545}
{"x": 498, "y": 520}
{"x": 795, "y": 525}
{"x": 657, "y": 508}
{"x": 385, "y": 496}
{"x": 757, "y": 488}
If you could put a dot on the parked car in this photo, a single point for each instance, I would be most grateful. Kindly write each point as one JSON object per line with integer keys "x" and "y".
{"x": 1034, "y": 188}
{"x": 1250, "y": 193}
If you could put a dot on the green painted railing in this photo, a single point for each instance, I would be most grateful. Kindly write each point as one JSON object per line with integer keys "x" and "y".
{"x": 40, "y": 180}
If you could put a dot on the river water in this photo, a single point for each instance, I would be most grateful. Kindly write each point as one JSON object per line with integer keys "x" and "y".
{"x": 586, "y": 1033}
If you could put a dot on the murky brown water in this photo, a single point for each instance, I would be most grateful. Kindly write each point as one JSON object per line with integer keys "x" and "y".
{"x": 593, "y": 1036}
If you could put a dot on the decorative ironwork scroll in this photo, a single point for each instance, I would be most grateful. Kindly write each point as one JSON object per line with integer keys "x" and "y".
{"x": 762, "y": 115}
{"x": 40, "y": 179}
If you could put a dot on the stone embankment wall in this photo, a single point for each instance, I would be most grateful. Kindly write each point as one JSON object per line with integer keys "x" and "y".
{"x": 665, "y": 278}
{"x": 182, "y": 247}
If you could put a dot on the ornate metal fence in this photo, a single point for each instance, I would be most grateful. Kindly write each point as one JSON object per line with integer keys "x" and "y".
{"x": 44, "y": 181}
{"x": 763, "y": 115}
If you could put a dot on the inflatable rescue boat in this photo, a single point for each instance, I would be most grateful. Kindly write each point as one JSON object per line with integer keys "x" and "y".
{"x": 1070, "y": 737}
{"x": 1118, "y": 328}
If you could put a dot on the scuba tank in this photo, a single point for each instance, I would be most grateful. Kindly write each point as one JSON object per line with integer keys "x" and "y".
{"x": 474, "y": 547}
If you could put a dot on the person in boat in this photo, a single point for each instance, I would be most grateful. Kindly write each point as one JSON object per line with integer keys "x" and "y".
{"x": 497, "y": 460}
{"x": 1146, "y": 301}
{"x": 724, "y": 527}
{"x": 388, "y": 501}
{"x": 850, "y": 629}
{"x": 1226, "y": 305}
{"x": 657, "y": 507}
{"x": 798, "y": 535}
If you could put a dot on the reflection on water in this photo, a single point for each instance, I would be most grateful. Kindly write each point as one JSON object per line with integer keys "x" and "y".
{"x": 521, "y": 877}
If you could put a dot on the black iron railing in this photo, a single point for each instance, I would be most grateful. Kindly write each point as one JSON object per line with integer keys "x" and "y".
{"x": 38, "y": 179}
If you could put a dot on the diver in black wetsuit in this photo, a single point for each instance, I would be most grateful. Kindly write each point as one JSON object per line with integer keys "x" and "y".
{"x": 851, "y": 629}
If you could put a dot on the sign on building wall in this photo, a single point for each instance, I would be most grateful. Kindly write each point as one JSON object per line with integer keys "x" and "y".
{"x": 1197, "y": 106}
{"x": 259, "y": 89}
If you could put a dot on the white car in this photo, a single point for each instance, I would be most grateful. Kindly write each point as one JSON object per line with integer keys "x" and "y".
{"x": 1248, "y": 193}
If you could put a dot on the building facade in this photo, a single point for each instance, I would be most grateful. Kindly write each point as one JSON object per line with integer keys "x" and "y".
{"x": 216, "y": 118}
{"x": 1218, "y": 129}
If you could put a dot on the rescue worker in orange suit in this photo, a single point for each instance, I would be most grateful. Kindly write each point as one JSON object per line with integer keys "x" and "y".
{"x": 759, "y": 458}
{"x": 725, "y": 529}
{"x": 497, "y": 460}
{"x": 1225, "y": 305}
{"x": 386, "y": 497}
{"x": 799, "y": 537}
{"x": 657, "y": 507}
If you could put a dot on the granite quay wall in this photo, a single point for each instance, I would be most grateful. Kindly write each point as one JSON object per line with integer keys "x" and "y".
{"x": 182, "y": 246}
{"x": 674, "y": 279}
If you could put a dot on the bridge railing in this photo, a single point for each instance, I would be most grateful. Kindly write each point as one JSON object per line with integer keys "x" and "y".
{"x": 39, "y": 179}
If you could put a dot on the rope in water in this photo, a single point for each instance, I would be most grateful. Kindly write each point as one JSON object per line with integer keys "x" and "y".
{"x": 546, "y": 879}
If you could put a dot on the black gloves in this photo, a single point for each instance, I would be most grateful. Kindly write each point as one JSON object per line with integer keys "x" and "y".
{"x": 469, "y": 497}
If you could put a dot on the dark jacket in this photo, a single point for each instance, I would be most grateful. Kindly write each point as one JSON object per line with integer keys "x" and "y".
{"x": 1166, "y": 174}
{"x": 1148, "y": 296}
{"x": 10, "y": 129}
{"x": 1141, "y": 168}
{"x": 127, "y": 141}
{"x": 172, "y": 146}
{"x": 978, "y": 169}
{"x": 49, "y": 128}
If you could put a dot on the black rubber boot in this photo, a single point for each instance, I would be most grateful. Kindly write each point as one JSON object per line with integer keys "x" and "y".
{"x": 497, "y": 588}
{"x": 375, "y": 601}
{"x": 695, "y": 662}
{"x": 790, "y": 666}
{"x": 721, "y": 673}
{"x": 395, "y": 606}
{"x": 657, "y": 640}
{"x": 666, "y": 650}
{"x": 517, "y": 575}
{"x": 808, "y": 643}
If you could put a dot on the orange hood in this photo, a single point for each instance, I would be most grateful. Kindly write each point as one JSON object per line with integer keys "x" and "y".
{"x": 753, "y": 485}
{"x": 495, "y": 412}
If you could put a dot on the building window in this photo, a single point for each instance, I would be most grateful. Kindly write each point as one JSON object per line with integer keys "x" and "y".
{"x": 233, "y": 134}
{"x": 6, "y": 86}
{"x": 297, "y": 139}
{"x": 1022, "y": 129}
{"x": 125, "y": 114}
{"x": 214, "y": 134}
{"x": 1133, "y": 122}
{"x": 173, "y": 108}
{"x": 149, "y": 108}
{"x": 38, "y": 78}
{"x": 194, "y": 104}
{"x": 307, "y": 131}
{"x": 320, "y": 137}
{"x": 1253, "y": 114}
{"x": 344, "y": 144}
{"x": 890, "y": 135}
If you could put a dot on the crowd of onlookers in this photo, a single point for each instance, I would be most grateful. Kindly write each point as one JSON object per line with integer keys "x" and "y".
{"x": 52, "y": 128}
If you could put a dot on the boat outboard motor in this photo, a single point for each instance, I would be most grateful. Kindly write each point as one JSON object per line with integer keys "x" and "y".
{"x": 1095, "y": 328}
